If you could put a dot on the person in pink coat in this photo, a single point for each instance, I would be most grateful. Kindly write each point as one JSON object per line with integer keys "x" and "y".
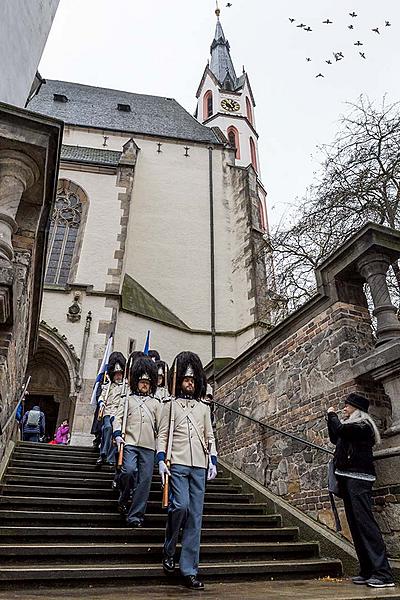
{"x": 62, "y": 434}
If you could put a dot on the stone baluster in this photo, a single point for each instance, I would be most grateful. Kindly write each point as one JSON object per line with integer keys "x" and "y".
{"x": 373, "y": 267}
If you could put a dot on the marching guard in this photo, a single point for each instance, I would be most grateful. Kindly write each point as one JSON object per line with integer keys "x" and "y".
{"x": 107, "y": 407}
{"x": 162, "y": 392}
{"x": 135, "y": 428}
{"x": 187, "y": 457}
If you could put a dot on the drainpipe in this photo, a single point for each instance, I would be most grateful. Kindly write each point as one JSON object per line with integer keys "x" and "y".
{"x": 85, "y": 340}
{"x": 212, "y": 259}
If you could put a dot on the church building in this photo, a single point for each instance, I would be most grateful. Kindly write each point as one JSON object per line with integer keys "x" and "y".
{"x": 159, "y": 224}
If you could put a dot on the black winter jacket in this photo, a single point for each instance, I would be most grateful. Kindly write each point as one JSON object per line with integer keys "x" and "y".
{"x": 354, "y": 443}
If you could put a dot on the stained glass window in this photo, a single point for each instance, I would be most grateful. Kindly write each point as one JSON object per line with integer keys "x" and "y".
{"x": 63, "y": 233}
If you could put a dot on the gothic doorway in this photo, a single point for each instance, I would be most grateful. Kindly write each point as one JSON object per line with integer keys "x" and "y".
{"x": 53, "y": 380}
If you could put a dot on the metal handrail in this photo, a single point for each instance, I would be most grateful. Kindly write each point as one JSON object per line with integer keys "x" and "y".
{"x": 275, "y": 429}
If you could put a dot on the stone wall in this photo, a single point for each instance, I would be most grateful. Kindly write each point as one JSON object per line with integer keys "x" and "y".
{"x": 288, "y": 380}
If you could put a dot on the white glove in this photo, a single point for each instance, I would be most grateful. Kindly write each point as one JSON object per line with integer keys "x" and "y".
{"x": 212, "y": 472}
{"x": 119, "y": 440}
{"x": 163, "y": 470}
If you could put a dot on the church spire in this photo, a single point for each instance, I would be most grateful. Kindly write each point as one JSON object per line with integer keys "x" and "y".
{"x": 221, "y": 62}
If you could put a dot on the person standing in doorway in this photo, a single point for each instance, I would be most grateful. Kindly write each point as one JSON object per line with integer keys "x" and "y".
{"x": 33, "y": 425}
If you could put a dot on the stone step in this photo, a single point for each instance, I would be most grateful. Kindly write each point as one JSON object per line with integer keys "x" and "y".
{"x": 58, "y": 466}
{"x": 92, "y": 505}
{"x": 58, "y": 452}
{"x": 119, "y": 573}
{"x": 101, "y": 490}
{"x": 50, "y": 448}
{"x": 58, "y": 457}
{"x": 108, "y": 477}
{"x": 72, "y": 534}
{"x": 69, "y": 518}
{"x": 146, "y": 553}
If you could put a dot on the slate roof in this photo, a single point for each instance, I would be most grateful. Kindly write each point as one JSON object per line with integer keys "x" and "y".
{"x": 96, "y": 156}
{"x": 221, "y": 62}
{"x": 136, "y": 299}
{"x": 89, "y": 106}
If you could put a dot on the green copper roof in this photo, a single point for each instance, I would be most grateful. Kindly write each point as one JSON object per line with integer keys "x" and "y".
{"x": 137, "y": 300}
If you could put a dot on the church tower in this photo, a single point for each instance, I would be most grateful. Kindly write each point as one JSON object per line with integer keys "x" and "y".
{"x": 226, "y": 101}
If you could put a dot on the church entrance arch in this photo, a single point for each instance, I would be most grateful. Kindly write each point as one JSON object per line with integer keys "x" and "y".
{"x": 54, "y": 380}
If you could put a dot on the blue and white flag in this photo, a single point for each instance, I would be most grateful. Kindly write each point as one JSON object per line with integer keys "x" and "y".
{"x": 147, "y": 343}
{"x": 103, "y": 369}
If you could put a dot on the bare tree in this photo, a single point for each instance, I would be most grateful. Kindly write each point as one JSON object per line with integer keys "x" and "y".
{"x": 359, "y": 181}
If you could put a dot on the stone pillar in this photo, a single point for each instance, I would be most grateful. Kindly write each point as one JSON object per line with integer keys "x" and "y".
{"x": 18, "y": 172}
{"x": 373, "y": 267}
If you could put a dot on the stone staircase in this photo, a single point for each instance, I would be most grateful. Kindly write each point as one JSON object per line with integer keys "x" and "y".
{"x": 59, "y": 521}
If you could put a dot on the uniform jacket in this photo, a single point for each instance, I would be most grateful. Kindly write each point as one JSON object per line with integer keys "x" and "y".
{"x": 354, "y": 443}
{"x": 143, "y": 422}
{"x": 192, "y": 432}
{"x": 161, "y": 394}
{"x": 113, "y": 397}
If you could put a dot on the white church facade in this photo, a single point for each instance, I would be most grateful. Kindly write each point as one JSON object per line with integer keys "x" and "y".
{"x": 159, "y": 224}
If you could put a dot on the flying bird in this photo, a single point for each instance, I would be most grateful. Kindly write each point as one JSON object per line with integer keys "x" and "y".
{"x": 319, "y": 75}
{"x": 362, "y": 54}
{"x": 350, "y": 26}
{"x": 376, "y": 30}
{"x": 301, "y": 25}
{"x": 229, "y": 5}
{"x": 387, "y": 24}
{"x": 327, "y": 22}
{"x": 308, "y": 59}
{"x": 291, "y": 20}
{"x": 328, "y": 62}
{"x": 358, "y": 43}
{"x": 338, "y": 56}
{"x": 353, "y": 14}
{"x": 308, "y": 29}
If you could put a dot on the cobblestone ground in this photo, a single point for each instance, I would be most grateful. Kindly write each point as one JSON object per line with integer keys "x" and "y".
{"x": 295, "y": 590}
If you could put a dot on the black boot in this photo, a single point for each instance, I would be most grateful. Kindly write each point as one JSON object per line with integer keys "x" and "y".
{"x": 99, "y": 463}
{"x": 191, "y": 582}
{"x": 168, "y": 564}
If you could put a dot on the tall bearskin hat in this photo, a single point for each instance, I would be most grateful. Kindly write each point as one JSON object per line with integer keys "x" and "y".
{"x": 143, "y": 368}
{"x": 188, "y": 364}
{"x": 154, "y": 355}
{"x": 162, "y": 369}
{"x": 135, "y": 355}
{"x": 116, "y": 363}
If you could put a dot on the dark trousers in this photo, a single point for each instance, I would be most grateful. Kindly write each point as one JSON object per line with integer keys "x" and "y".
{"x": 31, "y": 437}
{"x": 135, "y": 478}
{"x": 107, "y": 449}
{"x": 367, "y": 538}
{"x": 185, "y": 510}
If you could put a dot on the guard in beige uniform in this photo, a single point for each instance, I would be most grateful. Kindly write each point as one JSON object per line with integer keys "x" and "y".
{"x": 162, "y": 392}
{"x": 107, "y": 404}
{"x": 143, "y": 419}
{"x": 193, "y": 458}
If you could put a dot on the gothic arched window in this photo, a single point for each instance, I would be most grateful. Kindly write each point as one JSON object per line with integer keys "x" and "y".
{"x": 64, "y": 228}
{"x": 253, "y": 154}
{"x": 249, "y": 110}
{"x": 233, "y": 137}
{"x": 208, "y": 108}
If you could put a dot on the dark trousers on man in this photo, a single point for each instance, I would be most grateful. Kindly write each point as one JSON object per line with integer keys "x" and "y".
{"x": 135, "y": 479}
{"x": 185, "y": 511}
{"x": 107, "y": 450}
{"x": 31, "y": 437}
{"x": 367, "y": 537}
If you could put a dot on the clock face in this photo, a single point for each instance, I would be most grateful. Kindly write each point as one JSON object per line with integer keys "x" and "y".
{"x": 229, "y": 104}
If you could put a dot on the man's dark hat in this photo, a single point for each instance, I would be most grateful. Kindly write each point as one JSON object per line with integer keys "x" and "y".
{"x": 143, "y": 366}
{"x": 358, "y": 402}
{"x": 185, "y": 361}
{"x": 116, "y": 362}
{"x": 162, "y": 369}
{"x": 154, "y": 355}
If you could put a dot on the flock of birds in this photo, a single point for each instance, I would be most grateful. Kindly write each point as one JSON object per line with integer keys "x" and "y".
{"x": 338, "y": 56}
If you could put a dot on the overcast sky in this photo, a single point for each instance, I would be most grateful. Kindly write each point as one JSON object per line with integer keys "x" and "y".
{"x": 161, "y": 47}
